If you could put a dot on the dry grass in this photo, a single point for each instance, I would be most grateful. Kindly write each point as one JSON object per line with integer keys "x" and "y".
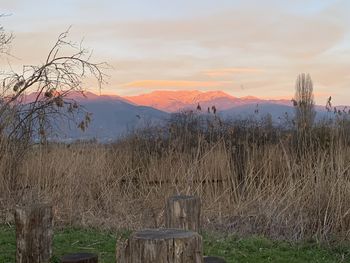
{"x": 258, "y": 183}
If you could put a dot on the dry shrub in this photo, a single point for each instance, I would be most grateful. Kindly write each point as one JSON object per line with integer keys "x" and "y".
{"x": 252, "y": 178}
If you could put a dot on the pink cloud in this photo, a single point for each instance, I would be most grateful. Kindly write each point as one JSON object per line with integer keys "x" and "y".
{"x": 156, "y": 84}
{"x": 229, "y": 71}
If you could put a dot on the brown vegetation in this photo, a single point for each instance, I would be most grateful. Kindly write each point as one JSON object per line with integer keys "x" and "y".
{"x": 252, "y": 177}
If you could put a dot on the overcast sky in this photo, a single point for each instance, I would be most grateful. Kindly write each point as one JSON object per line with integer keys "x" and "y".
{"x": 241, "y": 47}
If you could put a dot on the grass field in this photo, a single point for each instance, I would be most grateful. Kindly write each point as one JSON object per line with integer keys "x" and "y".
{"x": 233, "y": 249}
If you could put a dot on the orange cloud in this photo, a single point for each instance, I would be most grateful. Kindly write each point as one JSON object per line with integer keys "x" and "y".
{"x": 229, "y": 71}
{"x": 155, "y": 84}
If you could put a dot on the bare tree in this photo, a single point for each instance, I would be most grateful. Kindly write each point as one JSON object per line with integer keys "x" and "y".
{"x": 304, "y": 102}
{"x": 22, "y": 117}
{"x": 5, "y": 39}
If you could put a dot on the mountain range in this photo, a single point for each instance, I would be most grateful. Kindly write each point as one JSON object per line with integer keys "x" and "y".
{"x": 114, "y": 116}
{"x": 172, "y": 101}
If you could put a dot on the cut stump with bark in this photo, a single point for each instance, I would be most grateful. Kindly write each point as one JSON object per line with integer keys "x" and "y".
{"x": 80, "y": 258}
{"x": 34, "y": 232}
{"x": 183, "y": 212}
{"x": 161, "y": 246}
{"x": 213, "y": 260}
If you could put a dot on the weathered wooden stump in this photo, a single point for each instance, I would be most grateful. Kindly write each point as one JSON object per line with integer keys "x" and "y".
{"x": 213, "y": 260}
{"x": 161, "y": 246}
{"x": 80, "y": 258}
{"x": 183, "y": 212}
{"x": 34, "y": 233}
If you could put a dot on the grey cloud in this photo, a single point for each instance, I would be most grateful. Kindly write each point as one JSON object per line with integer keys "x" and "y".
{"x": 257, "y": 30}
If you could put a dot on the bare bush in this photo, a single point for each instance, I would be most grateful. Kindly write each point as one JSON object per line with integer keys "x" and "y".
{"x": 49, "y": 83}
{"x": 32, "y": 101}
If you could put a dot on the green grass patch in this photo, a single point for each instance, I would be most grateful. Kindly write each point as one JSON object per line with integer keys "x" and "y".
{"x": 233, "y": 249}
{"x": 259, "y": 249}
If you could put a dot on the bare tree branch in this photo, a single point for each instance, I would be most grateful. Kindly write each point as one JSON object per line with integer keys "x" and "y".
{"x": 5, "y": 39}
{"x": 51, "y": 83}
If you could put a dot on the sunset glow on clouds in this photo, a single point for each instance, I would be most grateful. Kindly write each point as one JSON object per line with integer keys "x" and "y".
{"x": 241, "y": 47}
{"x": 177, "y": 84}
{"x": 229, "y": 71}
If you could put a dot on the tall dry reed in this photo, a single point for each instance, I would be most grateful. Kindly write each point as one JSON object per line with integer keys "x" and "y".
{"x": 252, "y": 178}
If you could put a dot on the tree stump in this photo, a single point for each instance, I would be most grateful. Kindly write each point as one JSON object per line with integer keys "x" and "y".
{"x": 34, "y": 233}
{"x": 183, "y": 212}
{"x": 161, "y": 246}
{"x": 213, "y": 260}
{"x": 80, "y": 258}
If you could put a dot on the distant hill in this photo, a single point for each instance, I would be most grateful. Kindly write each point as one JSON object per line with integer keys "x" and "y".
{"x": 172, "y": 101}
{"x": 259, "y": 110}
{"x": 112, "y": 117}
{"x": 79, "y": 97}
{"x": 278, "y": 112}
{"x": 115, "y": 118}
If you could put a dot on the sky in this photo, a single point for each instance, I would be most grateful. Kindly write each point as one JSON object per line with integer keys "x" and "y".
{"x": 240, "y": 47}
